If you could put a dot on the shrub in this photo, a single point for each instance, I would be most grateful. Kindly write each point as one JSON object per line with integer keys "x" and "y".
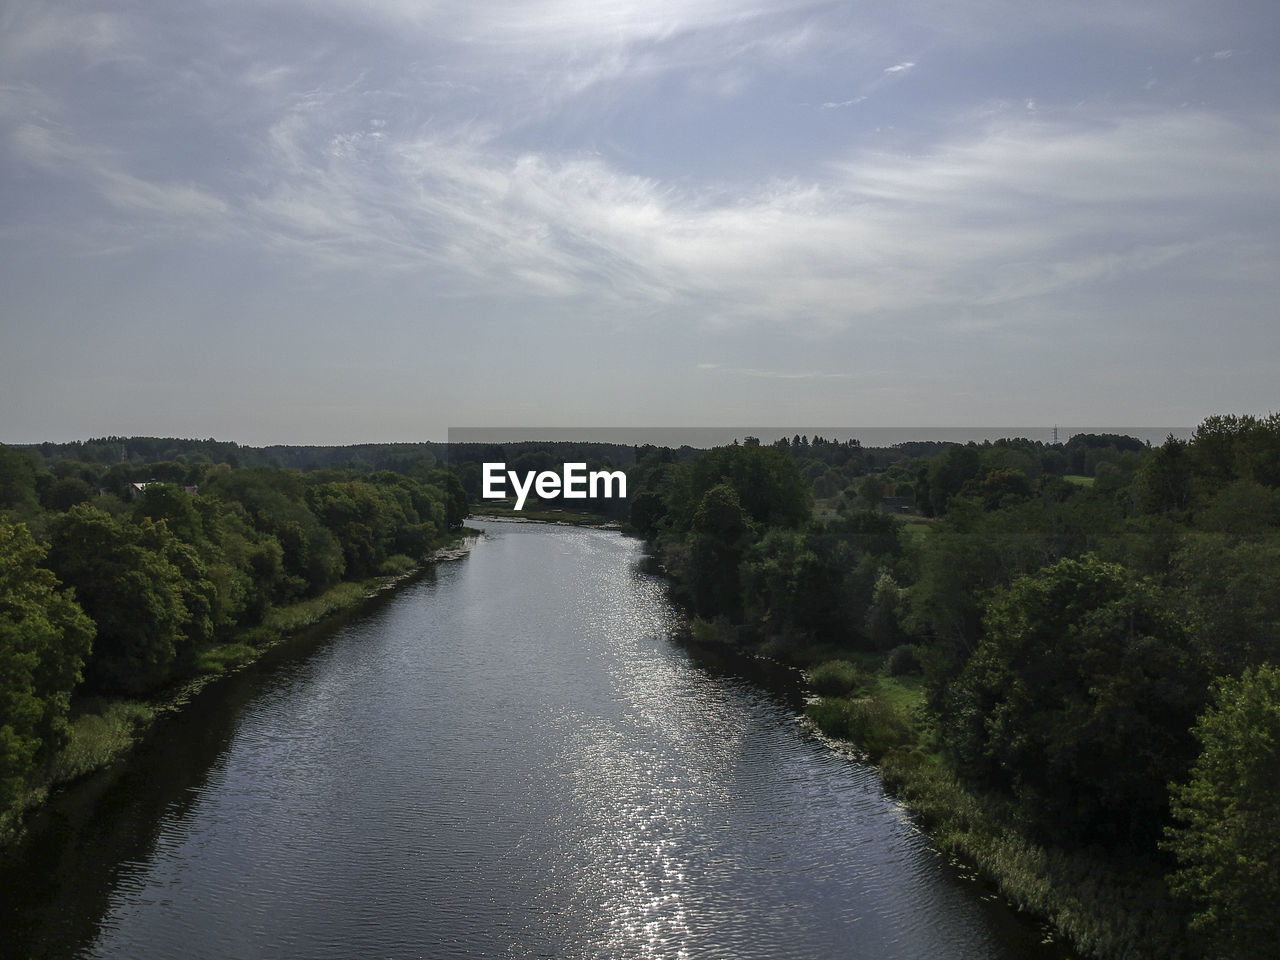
{"x": 902, "y": 660}
{"x": 871, "y": 722}
{"x": 835, "y": 678}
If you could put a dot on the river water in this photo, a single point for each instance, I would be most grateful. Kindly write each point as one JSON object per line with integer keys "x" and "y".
{"x": 509, "y": 758}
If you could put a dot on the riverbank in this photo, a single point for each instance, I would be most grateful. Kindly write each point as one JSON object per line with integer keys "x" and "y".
{"x": 562, "y": 518}
{"x": 1102, "y": 906}
{"x": 872, "y": 708}
{"x": 105, "y": 730}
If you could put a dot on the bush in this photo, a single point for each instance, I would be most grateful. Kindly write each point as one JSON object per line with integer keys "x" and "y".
{"x": 307, "y": 613}
{"x": 712, "y": 633}
{"x": 226, "y": 657}
{"x": 903, "y": 659}
{"x": 835, "y": 678}
{"x": 871, "y": 722}
{"x": 395, "y": 565}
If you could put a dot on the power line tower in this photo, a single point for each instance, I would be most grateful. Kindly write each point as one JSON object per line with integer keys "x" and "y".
{"x": 1055, "y": 433}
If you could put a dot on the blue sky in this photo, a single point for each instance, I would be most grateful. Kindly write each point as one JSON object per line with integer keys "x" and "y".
{"x": 326, "y": 221}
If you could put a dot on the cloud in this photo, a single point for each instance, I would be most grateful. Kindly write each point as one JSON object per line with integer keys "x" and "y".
{"x": 175, "y": 203}
{"x": 30, "y": 32}
{"x": 1019, "y": 210}
{"x": 840, "y": 104}
{"x": 340, "y": 163}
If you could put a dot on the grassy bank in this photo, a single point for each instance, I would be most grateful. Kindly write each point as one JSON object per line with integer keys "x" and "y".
{"x": 873, "y": 705}
{"x": 102, "y": 730}
{"x": 1103, "y": 907}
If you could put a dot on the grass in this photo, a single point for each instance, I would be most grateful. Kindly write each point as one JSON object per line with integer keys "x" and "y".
{"x": 229, "y": 656}
{"x": 825, "y": 508}
{"x": 1104, "y": 908}
{"x": 280, "y": 622}
{"x": 1078, "y": 480}
{"x": 835, "y": 678}
{"x": 102, "y": 730}
{"x": 307, "y": 613}
{"x": 917, "y": 529}
{"x": 396, "y": 565}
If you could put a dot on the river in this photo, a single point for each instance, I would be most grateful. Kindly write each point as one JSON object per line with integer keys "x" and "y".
{"x": 509, "y": 758}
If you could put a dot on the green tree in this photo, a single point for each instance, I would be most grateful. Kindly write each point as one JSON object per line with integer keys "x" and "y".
{"x": 1000, "y": 487}
{"x": 792, "y": 584}
{"x": 127, "y": 585}
{"x": 1229, "y": 588}
{"x": 871, "y": 491}
{"x": 1079, "y": 701}
{"x": 458, "y": 509}
{"x": 64, "y": 493}
{"x": 170, "y": 503}
{"x": 721, "y": 534}
{"x": 1164, "y": 482}
{"x": 17, "y": 481}
{"x": 359, "y": 518}
{"x": 647, "y": 511}
{"x": 1227, "y": 839}
{"x": 946, "y": 476}
{"x": 766, "y": 481}
{"x": 44, "y": 638}
{"x": 884, "y": 615}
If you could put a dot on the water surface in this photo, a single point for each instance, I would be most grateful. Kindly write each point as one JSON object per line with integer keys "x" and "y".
{"x": 509, "y": 759}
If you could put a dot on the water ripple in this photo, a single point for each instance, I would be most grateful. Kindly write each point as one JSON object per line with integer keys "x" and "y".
{"x": 513, "y": 760}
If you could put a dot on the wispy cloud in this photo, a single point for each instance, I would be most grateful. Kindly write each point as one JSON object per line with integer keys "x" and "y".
{"x": 646, "y": 164}
{"x": 839, "y": 104}
{"x": 166, "y": 201}
{"x": 1018, "y": 210}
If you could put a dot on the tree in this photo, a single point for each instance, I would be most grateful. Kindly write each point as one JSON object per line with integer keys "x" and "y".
{"x": 1000, "y": 487}
{"x": 64, "y": 493}
{"x": 871, "y": 491}
{"x": 1079, "y": 701}
{"x": 358, "y": 518}
{"x": 647, "y": 511}
{"x": 885, "y": 613}
{"x": 130, "y": 589}
{"x": 1164, "y": 480}
{"x": 947, "y": 475}
{"x": 456, "y": 497}
{"x": 792, "y": 584}
{"x": 44, "y": 638}
{"x": 721, "y": 534}
{"x": 17, "y": 480}
{"x": 170, "y": 503}
{"x": 765, "y": 480}
{"x": 1227, "y": 840}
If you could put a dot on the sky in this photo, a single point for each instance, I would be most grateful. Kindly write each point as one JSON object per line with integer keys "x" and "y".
{"x": 339, "y": 221}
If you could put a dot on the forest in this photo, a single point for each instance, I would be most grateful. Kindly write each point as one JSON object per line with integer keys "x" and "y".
{"x": 1063, "y": 657}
